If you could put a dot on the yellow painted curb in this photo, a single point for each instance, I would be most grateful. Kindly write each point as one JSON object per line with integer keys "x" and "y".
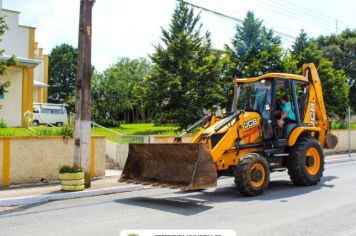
{"x": 71, "y": 176}
{"x": 72, "y": 188}
{"x": 75, "y": 182}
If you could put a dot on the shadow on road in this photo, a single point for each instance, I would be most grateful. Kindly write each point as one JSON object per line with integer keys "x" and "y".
{"x": 190, "y": 203}
{"x": 17, "y": 209}
{"x": 178, "y": 205}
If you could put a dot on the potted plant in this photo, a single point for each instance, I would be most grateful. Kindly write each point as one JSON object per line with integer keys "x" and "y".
{"x": 72, "y": 178}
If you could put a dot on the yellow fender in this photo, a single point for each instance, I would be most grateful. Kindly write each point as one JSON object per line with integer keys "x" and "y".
{"x": 297, "y": 131}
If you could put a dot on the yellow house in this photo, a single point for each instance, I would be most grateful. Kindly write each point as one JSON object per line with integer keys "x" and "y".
{"x": 29, "y": 78}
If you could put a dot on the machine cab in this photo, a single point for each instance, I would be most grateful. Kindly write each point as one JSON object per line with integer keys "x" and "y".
{"x": 269, "y": 95}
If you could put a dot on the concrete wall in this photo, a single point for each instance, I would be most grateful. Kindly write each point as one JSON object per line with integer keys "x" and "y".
{"x": 38, "y": 159}
{"x": 12, "y": 103}
{"x": 119, "y": 152}
{"x": 342, "y": 136}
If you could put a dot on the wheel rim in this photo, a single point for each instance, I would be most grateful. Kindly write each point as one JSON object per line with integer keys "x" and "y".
{"x": 312, "y": 161}
{"x": 257, "y": 175}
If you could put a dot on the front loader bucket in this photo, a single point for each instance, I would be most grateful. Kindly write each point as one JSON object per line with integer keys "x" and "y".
{"x": 187, "y": 166}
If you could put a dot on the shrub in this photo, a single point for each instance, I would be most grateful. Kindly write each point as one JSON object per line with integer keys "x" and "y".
{"x": 43, "y": 132}
{"x": 108, "y": 122}
{"x": 66, "y": 130}
{"x": 70, "y": 169}
{"x": 3, "y": 123}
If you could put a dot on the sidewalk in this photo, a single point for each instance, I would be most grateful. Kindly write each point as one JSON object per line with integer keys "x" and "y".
{"x": 31, "y": 194}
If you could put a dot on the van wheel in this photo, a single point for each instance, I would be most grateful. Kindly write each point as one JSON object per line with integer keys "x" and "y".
{"x": 306, "y": 162}
{"x": 59, "y": 124}
{"x": 252, "y": 175}
{"x": 35, "y": 123}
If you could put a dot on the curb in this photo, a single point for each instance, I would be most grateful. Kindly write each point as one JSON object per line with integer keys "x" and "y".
{"x": 337, "y": 160}
{"x": 63, "y": 196}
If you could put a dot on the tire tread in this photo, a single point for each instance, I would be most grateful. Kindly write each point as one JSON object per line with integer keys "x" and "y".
{"x": 296, "y": 165}
{"x": 241, "y": 179}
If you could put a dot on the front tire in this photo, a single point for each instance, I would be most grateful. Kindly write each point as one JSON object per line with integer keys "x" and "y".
{"x": 252, "y": 175}
{"x": 306, "y": 162}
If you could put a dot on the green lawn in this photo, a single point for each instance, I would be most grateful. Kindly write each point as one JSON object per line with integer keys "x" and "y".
{"x": 342, "y": 125}
{"x": 126, "y": 129}
{"x": 139, "y": 129}
{"x": 38, "y": 131}
{"x": 15, "y": 132}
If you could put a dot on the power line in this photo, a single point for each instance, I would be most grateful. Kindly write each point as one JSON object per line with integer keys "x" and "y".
{"x": 313, "y": 15}
{"x": 287, "y": 13}
{"x": 267, "y": 22}
{"x": 286, "y": 36}
{"x": 309, "y": 11}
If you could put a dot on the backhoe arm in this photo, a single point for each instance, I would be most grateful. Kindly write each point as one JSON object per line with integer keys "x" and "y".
{"x": 316, "y": 112}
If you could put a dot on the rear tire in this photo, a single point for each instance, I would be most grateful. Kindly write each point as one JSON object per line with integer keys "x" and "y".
{"x": 306, "y": 162}
{"x": 35, "y": 123}
{"x": 252, "y": 175}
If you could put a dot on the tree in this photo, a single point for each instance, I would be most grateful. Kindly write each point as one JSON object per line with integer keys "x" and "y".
{"x": 125, "y": 82}
{"x": 341, "y": 49}
{"x": 4, "y": 64}
{"x": 333, "y": 81}
{"x": 300, "y": 43}
{"x": 62, "y": 70}
{"x": 254, "y": 50}
{"x": 186, "y": 75}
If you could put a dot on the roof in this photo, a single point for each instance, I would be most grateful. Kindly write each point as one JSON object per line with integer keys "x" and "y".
{"x": 272, "y": 75}
{"x": 21, "y": 61}
{"x": 48, "y": 104}
{"x": 39, "y": 84}
{"x": 13, "y": 11}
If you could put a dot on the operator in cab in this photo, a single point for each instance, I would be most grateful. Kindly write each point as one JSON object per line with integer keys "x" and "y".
{"x": 287, "y": 114}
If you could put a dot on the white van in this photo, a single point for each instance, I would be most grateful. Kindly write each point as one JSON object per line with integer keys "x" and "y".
{"x": 48, "y": 113}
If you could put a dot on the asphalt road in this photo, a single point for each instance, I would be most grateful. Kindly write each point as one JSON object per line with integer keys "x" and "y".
{"x": 326, "y": 209}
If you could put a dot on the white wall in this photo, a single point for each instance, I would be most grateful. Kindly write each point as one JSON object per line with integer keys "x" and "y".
{"x": 39, "y": 72}
{"x": 35, "y": 94}
{"x": 11, "y": 110}
{"x": 15, "y": 41}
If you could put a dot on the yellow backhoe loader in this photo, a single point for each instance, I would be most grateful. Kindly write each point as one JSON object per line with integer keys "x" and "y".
{"x": 247, "y": 141}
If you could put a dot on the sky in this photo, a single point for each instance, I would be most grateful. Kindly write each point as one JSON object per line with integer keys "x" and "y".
{"x": 131, "y": 28}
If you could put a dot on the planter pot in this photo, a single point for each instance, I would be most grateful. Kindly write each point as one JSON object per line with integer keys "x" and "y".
{"x": 71, "y": 176}
{"x": 72, "y": 181}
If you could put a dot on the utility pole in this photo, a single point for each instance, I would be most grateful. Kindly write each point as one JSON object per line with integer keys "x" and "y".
{"x": 349, "y": 133}
{"x": 82, "y": 91}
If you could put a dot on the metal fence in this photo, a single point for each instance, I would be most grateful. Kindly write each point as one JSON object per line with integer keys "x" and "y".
{"x": 122, "y": 138}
